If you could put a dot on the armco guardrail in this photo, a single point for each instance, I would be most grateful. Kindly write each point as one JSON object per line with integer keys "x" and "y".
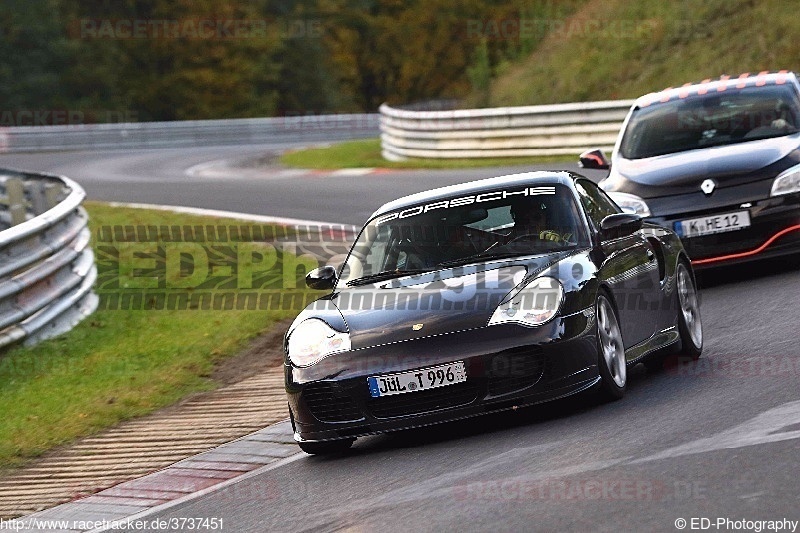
{"x": 501, "y": 132}
{"x": 321, "y": 128}
{"x": 46, "y": 264}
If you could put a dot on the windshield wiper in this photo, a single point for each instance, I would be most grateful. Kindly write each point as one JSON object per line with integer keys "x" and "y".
{"x": 486, "y": 257}
{"x": 386, "y": 274}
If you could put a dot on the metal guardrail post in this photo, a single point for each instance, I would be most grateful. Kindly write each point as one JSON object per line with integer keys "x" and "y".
{"x": 15, "y": 194}
{"x": 47, "y": 267}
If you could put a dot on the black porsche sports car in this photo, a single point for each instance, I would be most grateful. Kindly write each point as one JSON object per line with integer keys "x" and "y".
{"x": 719, "y": 162}
{"x": 481, "y": 297}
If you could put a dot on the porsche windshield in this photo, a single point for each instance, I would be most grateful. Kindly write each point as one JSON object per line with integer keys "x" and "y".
{"x": 713, "y": 119}
{"x": 466, "y": 229}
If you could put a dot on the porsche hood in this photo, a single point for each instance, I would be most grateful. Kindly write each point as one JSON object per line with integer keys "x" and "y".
{"x": 424, "y": 305}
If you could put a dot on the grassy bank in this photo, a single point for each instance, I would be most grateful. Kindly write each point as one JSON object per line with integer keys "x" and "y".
{"x": 618, "y": 49}
{"x": 367, "y": 154}
{"x": 118, "y": 364}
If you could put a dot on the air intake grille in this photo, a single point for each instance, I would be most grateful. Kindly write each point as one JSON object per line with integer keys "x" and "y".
{"x": 330, "y": 404}
{"x": 424, "y": 401}
{"x": 514, "y": 370}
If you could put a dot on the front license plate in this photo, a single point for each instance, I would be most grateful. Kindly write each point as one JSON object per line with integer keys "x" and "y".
{"x": 713, "y": 224}
{"x": 417, "y": 380}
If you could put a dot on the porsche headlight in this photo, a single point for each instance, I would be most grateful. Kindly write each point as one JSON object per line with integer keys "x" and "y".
{"x": 313, "y": 339}
{"x": 630, "y": 202}
{"x": 787, "y": 182}
{"x": 533, "y": 305}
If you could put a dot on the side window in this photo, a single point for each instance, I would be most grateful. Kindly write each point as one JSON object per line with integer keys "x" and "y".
{"x": 596, "y": 203}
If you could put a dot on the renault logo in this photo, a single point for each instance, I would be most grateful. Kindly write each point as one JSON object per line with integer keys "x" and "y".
{"x": 417, "y": 327}
{"x": 708, "y": 186}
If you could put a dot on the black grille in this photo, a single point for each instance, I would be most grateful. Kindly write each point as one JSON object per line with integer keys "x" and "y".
{"x": 514, "y": 370}
{"x": 328, "y": 403}
{"x": 424, "y": 401}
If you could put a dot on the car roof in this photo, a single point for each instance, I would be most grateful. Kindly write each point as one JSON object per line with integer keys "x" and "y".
{"x": 718, "y": 86}
{"x": 476, "y": 187}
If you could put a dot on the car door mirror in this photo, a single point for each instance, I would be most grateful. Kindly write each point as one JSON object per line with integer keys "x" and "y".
{"x": 322, "y": 279}
{"x": 594, "y": 159}
{"x": 620, "y": 225}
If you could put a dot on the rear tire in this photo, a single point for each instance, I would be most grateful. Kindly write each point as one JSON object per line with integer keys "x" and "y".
{"x": 690, "y": 326}
{"x": 611, "y": 351}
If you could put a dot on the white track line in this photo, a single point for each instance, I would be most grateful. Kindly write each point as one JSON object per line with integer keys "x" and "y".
{"x": 281, "y": 221}
{"x": 352, "y": 172}
{"x": 220, "y": 169}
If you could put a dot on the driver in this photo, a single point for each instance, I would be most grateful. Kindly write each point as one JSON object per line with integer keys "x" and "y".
{"x": 531, "y": 219}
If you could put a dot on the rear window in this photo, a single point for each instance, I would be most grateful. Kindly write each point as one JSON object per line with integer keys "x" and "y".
{"x": 713, "y": 119}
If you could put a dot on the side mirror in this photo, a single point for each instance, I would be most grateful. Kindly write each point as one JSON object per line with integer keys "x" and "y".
{"x": 594, "y": 159}
{"x": 322, "y": 279}
{"x": 620, "y": 225}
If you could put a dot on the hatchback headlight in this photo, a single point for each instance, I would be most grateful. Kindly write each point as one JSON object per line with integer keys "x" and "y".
{"x": 787, "y": 182}
{"x": 533, "y": 305}
{"x": 313, "y": 339}
{"x": 631, "y": 203}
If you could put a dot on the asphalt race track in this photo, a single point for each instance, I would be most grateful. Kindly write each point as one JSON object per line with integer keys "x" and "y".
{"x": 159, "y": 177}
{"x": 718, "y": 438}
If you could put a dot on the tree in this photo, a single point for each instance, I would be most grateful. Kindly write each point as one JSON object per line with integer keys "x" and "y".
{"x": 32, "y": 58}
{"x": 480, "y": 75}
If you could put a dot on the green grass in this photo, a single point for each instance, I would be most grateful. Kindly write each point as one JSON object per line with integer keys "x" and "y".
{"x": 116, "y": 364}
{"x": 646, "y": 46}
{"x": 367, "y": 154}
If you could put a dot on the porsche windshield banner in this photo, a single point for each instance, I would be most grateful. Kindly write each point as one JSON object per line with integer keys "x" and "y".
{"x": 490, "y": 196}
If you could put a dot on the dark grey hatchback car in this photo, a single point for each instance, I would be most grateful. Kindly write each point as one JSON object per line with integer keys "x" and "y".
{"x": 717, "y": 162}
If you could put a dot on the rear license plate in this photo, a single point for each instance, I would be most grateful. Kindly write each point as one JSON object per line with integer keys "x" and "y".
{"x": 713, "y": 224}
{"x": 417, "y": 380}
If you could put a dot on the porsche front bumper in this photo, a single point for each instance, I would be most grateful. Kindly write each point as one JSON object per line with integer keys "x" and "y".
{"x": 506, "y": 366}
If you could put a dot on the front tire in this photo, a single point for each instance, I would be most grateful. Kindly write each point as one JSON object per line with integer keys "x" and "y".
{"x": 612, "y": 364}
{"x": 327, "y": 447}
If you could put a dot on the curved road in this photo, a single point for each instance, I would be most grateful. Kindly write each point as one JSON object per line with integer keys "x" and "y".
{"x": 160, "y": 177}
{"x": 715, "y": 439}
